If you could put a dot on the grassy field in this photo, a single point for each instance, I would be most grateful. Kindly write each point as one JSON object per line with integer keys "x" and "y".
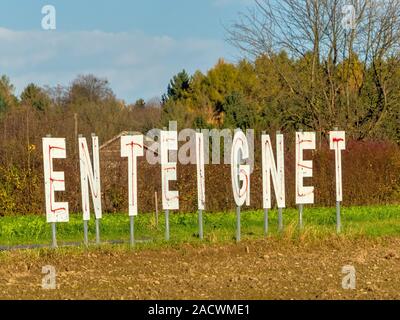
{"x": 288, "y": 265}
{"x": 218, "y": 227}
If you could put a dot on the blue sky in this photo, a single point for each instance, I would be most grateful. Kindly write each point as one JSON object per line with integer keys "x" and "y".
{"x": 137, "y": 45}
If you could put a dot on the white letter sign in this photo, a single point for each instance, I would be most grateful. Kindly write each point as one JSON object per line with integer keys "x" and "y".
{"x": 169, "y": 141}
{"x": 54, "y": 148}
{"x": 337, "y": 143}
{"x": 239, "y": 172}
{"x": 132, "y": 147}
{"x": 201, "y": 196}
{"x": 277, "y": 172}
{"x": 90, "y": 176}
{"x": 304, "y": 168}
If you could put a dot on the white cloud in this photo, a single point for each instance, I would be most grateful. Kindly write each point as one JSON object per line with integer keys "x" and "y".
{"x": 136, "y": 64}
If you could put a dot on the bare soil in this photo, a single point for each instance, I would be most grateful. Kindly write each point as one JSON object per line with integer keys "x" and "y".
{"x": 264, "y": 269}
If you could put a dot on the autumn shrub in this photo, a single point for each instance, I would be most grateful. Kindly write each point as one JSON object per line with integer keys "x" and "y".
{"x": 18, "y": 191}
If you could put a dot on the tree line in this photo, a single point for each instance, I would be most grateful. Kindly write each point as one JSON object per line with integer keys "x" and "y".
{"x": 300, "y": 69}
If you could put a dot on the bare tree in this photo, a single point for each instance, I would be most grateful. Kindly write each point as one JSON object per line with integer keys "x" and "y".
{"x": 315, "y": 30}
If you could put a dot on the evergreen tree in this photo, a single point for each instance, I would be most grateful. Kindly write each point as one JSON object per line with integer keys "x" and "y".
{"x": 35, "y": 97}
{"x": 178, "y": 87}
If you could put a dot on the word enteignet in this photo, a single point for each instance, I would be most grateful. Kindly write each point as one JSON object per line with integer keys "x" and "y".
{"x": 132, "y": 147}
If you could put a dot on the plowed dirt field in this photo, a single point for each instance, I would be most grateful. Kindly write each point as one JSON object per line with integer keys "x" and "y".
{"x": 264, "y": 269}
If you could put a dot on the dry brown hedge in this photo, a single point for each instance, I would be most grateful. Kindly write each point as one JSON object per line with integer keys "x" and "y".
{"x": 371, "y": 176}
